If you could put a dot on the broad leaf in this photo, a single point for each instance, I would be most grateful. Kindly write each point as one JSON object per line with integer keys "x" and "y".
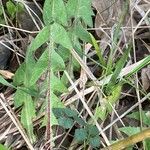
{"x": 40, "y": 39}
{"x": 136, "y": 115}
{"x": 57, "y": 84}
{"x": 80, "y": 9}
{"x": 81, "y": 135}
{"x": 57, "y": 63}
{"x": 27, "y": 114}
{"x": 130, "y": 130}
{"x": 92, "y": 130}
{"x": 60, "y": 36}
{"x": 18, "y": 79}
{"x": 65, "y": 122}
{"x": 82, "y": 33}
{"x": 54, "y": 11}
{"x": 95, "y": 141}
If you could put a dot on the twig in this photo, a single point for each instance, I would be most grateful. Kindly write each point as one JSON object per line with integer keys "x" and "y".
{"x": 129, "y": 141}
{"x": 15, "y": 121}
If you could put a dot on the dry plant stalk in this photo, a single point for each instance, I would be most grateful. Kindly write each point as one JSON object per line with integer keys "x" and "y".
{"x": 129, "y": 141}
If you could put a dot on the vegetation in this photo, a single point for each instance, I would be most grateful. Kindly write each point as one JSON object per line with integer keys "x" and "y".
{"x": 69, "y": 86}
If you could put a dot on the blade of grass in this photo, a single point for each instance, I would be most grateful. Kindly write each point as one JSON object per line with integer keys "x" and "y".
{"x": 116, "y": 37}
{"x": 98, "y": 51}
{"x": 119, "y": 65}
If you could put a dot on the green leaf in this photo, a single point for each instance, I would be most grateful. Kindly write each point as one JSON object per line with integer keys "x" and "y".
{"x": 58, "y": 112}
{"x": 70, "y": 113}
{"x": 136, "y": 115}
{"x": 2, "y": 147}
{"x": 65, "y": 122}
{"x": 80, "y": 9}
{"x": 27, "y": 114}
{"x": 114, "y": 97}
{"x": 11, "y": 8}
{"x": 56, "y": 105}
{"x": 18, "y": 79}
{"x": 54, "y": 11}
{"x": 57, "y": 84}
{"x": 57, "y": 63}
{"x": 82, "y": 33}
{"x": 81, "y": 135}
{"x": 119, "y": 65}
{"x": 40, "y": 39}
{"x": 5, "y": 82}
{"x": 19, "y": 98}
{"x": 79, "y": 120}
{"x": 147, "y": 144}
{"x": 98, "y": 51}
{"x": 100, "y": 112}
{"x": 60, "y": 36}
{"x": 95, "y": 142}
{"x": 92, "y": 130}
{"x": 130, "y": 130}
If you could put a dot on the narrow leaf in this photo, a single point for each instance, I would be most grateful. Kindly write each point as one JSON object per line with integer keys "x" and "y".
{"x": 5, "y": 82}
{"x": 120, "y": 64}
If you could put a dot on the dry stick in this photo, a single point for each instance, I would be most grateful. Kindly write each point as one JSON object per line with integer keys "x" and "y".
{"x": 128, "y": 111}
{"x": 48, "y": 127}
{"x": 129, "y": 141}
{"x": 15, "y": 121}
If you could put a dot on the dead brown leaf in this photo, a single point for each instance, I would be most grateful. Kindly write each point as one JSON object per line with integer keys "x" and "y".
{"x": 6, "y": 74}
{"x": 145, "y": 77}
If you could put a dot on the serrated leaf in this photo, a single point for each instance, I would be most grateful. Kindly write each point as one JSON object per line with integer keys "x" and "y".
{"x": 130, "y": 130}
{"x": 92, "y": 130}
{"x": 70, "y": 113}
{"x": 54, "y": 10}
{"x": 79, "y": 120}
{"x": 65, "y": 122}
{"x": 80, "y": 9}
{"x": 94, "y": 142}
{"x": 60, "y": 36}
{"x": 5, "y": 82}
{"x": 57, "y": 63}
{"x": 100, "y": 112}
{"x": 58, "y": 112}
{"x": 81, "y": 135}
{"x": 27, "y": 114}
{"x": 136, "y": 115}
